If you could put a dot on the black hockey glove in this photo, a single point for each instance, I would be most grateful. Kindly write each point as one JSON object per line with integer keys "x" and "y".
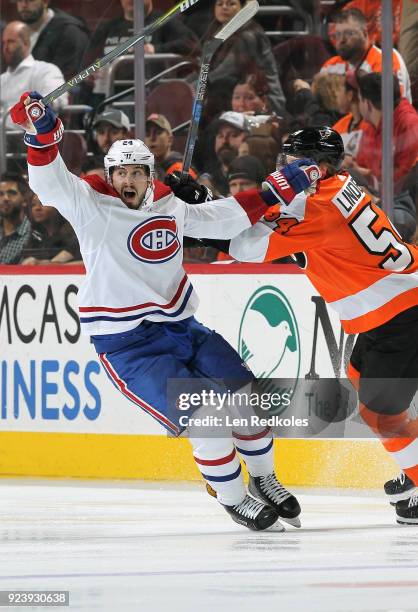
{"x": 187, "y": 189}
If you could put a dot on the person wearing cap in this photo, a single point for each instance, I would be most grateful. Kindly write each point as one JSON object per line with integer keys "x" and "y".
{"x": 159, "y": 140}
{"x": 108, "y": 127}
{"x": 232, "y": 129}
{"x": 246, "y": 172}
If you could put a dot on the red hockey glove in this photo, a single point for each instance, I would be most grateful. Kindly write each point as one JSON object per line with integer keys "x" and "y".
{"x": 286, "y": 183}
{"x": 43, "y": 128}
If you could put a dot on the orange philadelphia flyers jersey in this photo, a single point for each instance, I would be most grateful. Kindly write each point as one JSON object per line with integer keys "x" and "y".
{"x": 355, "y": 258}
{"x": 372, "y": 62}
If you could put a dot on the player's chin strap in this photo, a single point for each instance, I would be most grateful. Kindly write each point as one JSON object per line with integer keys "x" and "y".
{"x": 148, "y": 198}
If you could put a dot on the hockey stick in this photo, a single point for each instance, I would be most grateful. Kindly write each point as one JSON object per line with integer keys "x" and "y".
{"x": 179, "y": 8}
{"x": 209, "y": 48}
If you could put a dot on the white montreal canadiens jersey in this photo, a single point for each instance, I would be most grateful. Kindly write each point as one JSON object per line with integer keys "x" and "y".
{"x": 133, "y": 258}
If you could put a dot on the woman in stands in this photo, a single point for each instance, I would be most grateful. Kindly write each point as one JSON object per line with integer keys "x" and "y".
{"x": 245, "y": 52}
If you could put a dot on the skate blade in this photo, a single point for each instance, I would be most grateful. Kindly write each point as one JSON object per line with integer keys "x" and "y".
{"x": 406, "y": 522}
{"x": 277, "y": 527}
{"x": 393, "y": 499}
{"x": 295, "y": 522}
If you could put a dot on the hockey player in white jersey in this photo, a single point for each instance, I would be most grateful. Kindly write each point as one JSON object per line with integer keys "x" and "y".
{"x": 137, "y": 303}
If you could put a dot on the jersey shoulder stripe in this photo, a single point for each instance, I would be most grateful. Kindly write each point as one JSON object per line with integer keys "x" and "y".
{"x": 160, "y": 190}
{"x": 97, "y": 183}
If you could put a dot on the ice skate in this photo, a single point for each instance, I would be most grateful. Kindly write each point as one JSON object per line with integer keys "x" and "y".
{"x": 407, "y": 511}
{"x": 400, "y": 488}
{"x": 269, "y": 490}
{"x": 251, "y": 513}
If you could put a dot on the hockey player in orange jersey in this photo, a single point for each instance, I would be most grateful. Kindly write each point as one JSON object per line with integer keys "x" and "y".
{"x": 358, "y": 262}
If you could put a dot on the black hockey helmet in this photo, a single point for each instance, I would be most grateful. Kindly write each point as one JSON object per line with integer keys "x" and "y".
{"x": 322, "y": 144}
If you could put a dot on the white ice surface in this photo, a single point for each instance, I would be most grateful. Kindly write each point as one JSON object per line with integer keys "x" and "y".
{"x": 161, "y": 547}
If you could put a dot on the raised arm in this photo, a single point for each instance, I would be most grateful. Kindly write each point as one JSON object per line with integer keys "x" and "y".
{"x": 49, "y": 177}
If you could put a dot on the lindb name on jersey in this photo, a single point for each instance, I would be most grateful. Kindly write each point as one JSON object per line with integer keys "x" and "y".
{"x": 349, "y": 197}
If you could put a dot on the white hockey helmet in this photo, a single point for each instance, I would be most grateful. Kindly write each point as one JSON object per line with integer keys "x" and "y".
{"x": 131, "y": 152}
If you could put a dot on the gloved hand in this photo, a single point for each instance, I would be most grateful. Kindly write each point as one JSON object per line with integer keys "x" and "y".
{"x": 295, "y": 177}
{"x": 187, "y": 189}
{"x": 43, "y": 128}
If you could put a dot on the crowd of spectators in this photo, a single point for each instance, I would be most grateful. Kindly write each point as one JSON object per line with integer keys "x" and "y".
{"x": 260, "y": 89}
{"x": 30, "y": 233}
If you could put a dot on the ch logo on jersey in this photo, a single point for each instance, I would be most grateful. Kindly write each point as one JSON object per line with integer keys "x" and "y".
{"x": 154, "y": 240}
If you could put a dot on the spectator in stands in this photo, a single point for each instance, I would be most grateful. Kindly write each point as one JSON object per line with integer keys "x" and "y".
{"x": 408, "y": 43}
{"x": 173, "y": 37}
{"x": 231, "y": 130}
{"x": 351, "y": 124}
{"x": 159, "y": 140}
{"x": 372, "y": 11}
{"x": 355, "y": 51}
{"x": 93, "y": 165}
{"x": 111, "y": 125}
{"x": 15, "y": 226}
{"x": 52, "y": 239}
{"x": 316, "y": 104}
{"x": 245, "y": 172}
{"x": 250, "y": 95}
{"x": 56, "y": 36}
{"x": 405, "y": 214}
{"x": 24, "y": 73}
{"x": 245, "y": 52}
{"x": 405, "y": 134}
{"x": 264, "y": 148}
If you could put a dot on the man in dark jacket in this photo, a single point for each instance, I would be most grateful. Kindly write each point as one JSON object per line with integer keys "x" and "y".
{"x": 173, "y": 37}
{"x": 57, "y": 37}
